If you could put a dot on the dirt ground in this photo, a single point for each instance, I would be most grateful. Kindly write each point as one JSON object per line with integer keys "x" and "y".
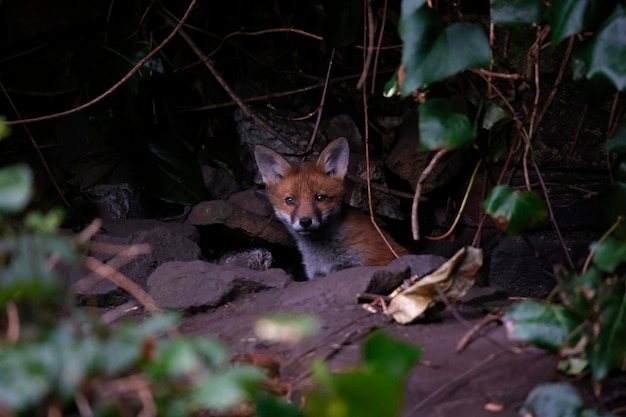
{"x": 489, "y": 376}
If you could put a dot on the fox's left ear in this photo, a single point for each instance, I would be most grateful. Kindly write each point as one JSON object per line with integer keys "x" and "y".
{"x": 335, "y": 158}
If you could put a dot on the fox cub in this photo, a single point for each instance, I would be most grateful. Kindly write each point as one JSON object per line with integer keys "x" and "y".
{"x": 308, "y": 198}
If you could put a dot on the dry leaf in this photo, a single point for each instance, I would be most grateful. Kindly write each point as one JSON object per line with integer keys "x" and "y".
{"x": 455, "y": 278}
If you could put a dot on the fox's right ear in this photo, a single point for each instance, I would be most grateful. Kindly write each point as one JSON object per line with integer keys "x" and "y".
{"x": 271, "y": 165}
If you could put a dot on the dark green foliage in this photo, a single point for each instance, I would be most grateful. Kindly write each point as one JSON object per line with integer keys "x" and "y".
{"x": 514, "y": 211}
{"x": 371, "y": 390}
{"x": 441, "y": 127}
{"x": 517, "y": 12}
{"x": 432, "y": 52}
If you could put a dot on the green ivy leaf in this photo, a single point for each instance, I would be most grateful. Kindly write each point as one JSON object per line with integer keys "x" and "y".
{"x": 544, "y": 325}
{"x": 617, "y": 142}
{"x": 221, "y": 391}
{"x": 28, "y": 274}
{"x": 604, "y": 57}
{"x": 554, "y": 400}
{"x": 517, "y": 12}
{"x": 432, "y": 52}
{"x": 397, "y": 357}
{"x": 609, "y": 254}
{"x": 16, "y": 188}
{"x": 607, "y": 351}
{"x": 175, "y": 358}
{"x": 578, "y": 291}
{"x": 441, "y": 127}
{"x": 28, "y": 373}
{"x": 514, "y": 211}
{"x": 391, "y": 88}
{"x": 5, "y": 129}
{"x": 362, "y": 392}
{"x": 568, "y": 17}
{"x": 271, "y": 406}
{"x": 373, "y": 389}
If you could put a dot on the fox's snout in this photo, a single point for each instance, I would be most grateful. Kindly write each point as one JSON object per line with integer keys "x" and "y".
{"x": 302, "y": 224}
{"x": 306, "y": 222}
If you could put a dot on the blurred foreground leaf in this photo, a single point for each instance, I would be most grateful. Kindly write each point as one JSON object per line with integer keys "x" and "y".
{"x": 373, "y": 389}
{"x": 16, "y": 188}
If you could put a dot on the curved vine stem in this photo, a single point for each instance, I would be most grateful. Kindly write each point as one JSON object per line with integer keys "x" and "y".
{"x": 418, "y": 191}
{"x": 463, "y": 203}
{"x": 115, "y": 86}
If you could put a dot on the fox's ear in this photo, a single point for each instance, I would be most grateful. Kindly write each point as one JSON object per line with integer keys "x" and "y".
{"x": 335, "y": 158}
{"x": 271, "y": 165}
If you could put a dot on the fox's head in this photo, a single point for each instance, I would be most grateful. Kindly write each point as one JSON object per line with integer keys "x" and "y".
{"x": 305, "y": 195}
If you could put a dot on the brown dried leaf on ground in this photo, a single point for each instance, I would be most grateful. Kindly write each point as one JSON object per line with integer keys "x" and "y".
{"x": 454, "y": 278}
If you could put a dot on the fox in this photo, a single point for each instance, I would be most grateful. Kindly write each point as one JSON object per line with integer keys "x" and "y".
{"x": 308, "y": 198}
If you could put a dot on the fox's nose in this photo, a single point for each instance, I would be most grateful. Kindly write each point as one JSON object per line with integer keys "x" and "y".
{"x": 306, "y": 222}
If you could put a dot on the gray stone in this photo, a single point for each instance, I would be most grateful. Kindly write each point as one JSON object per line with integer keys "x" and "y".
{"x": 199, "y": 284}
{"x": 165, "y": 243}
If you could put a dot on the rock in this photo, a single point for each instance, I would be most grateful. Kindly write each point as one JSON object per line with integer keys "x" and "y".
{"x": 114, "y": 201}
{"x": 251, "y": 134}
{"x": 220, "y": 184}
{"x": 166, "y": 245}
{"x": 344, "y": 285}
{"x": 483, "y": 295}
{"x": 199, "y": 284}
{"x": 515, "y": 269}
{"x": 419, "y": 265}
{"x": 237, "y": 219}
{"x": 258, "y": 259}
{"x": 127, "y": 227}
{"x": 408, "y": 162}
{"x": 254, "y": 201}
{"x": 384, "y": 205}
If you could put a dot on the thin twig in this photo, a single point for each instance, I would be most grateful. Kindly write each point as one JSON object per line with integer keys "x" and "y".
{"x": 132, "y": 72}
{"x": 370, "y": 205}
{"x": 551, "y": 212}
{"x": 264, "y": 32}
{"x": 579, "y": 126}
{"x": 458, "y": 215}
{"x": 268, "y": 96}
{"x": 418, "y": 191}
{"x": 534, "y": 53}
{"x": 320, "y": 109}
{"x": 610, "y": 125}
{"x": 380, "y": 187}
{"x": 123, "y": 282}
{"x": 13, "y": 323}
{"x": 557, "y": 82}
{"x": 246, "y": 110}
{"x": 454, "y": 382}
{"x": 380, "y": 41}
{"x": 370, "y": 30}
{"x": 492, "y": 74}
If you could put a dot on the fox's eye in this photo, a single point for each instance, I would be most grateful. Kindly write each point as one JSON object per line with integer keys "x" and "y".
{"x": 320, "y": 197}
{"x": 290, "y": 201}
